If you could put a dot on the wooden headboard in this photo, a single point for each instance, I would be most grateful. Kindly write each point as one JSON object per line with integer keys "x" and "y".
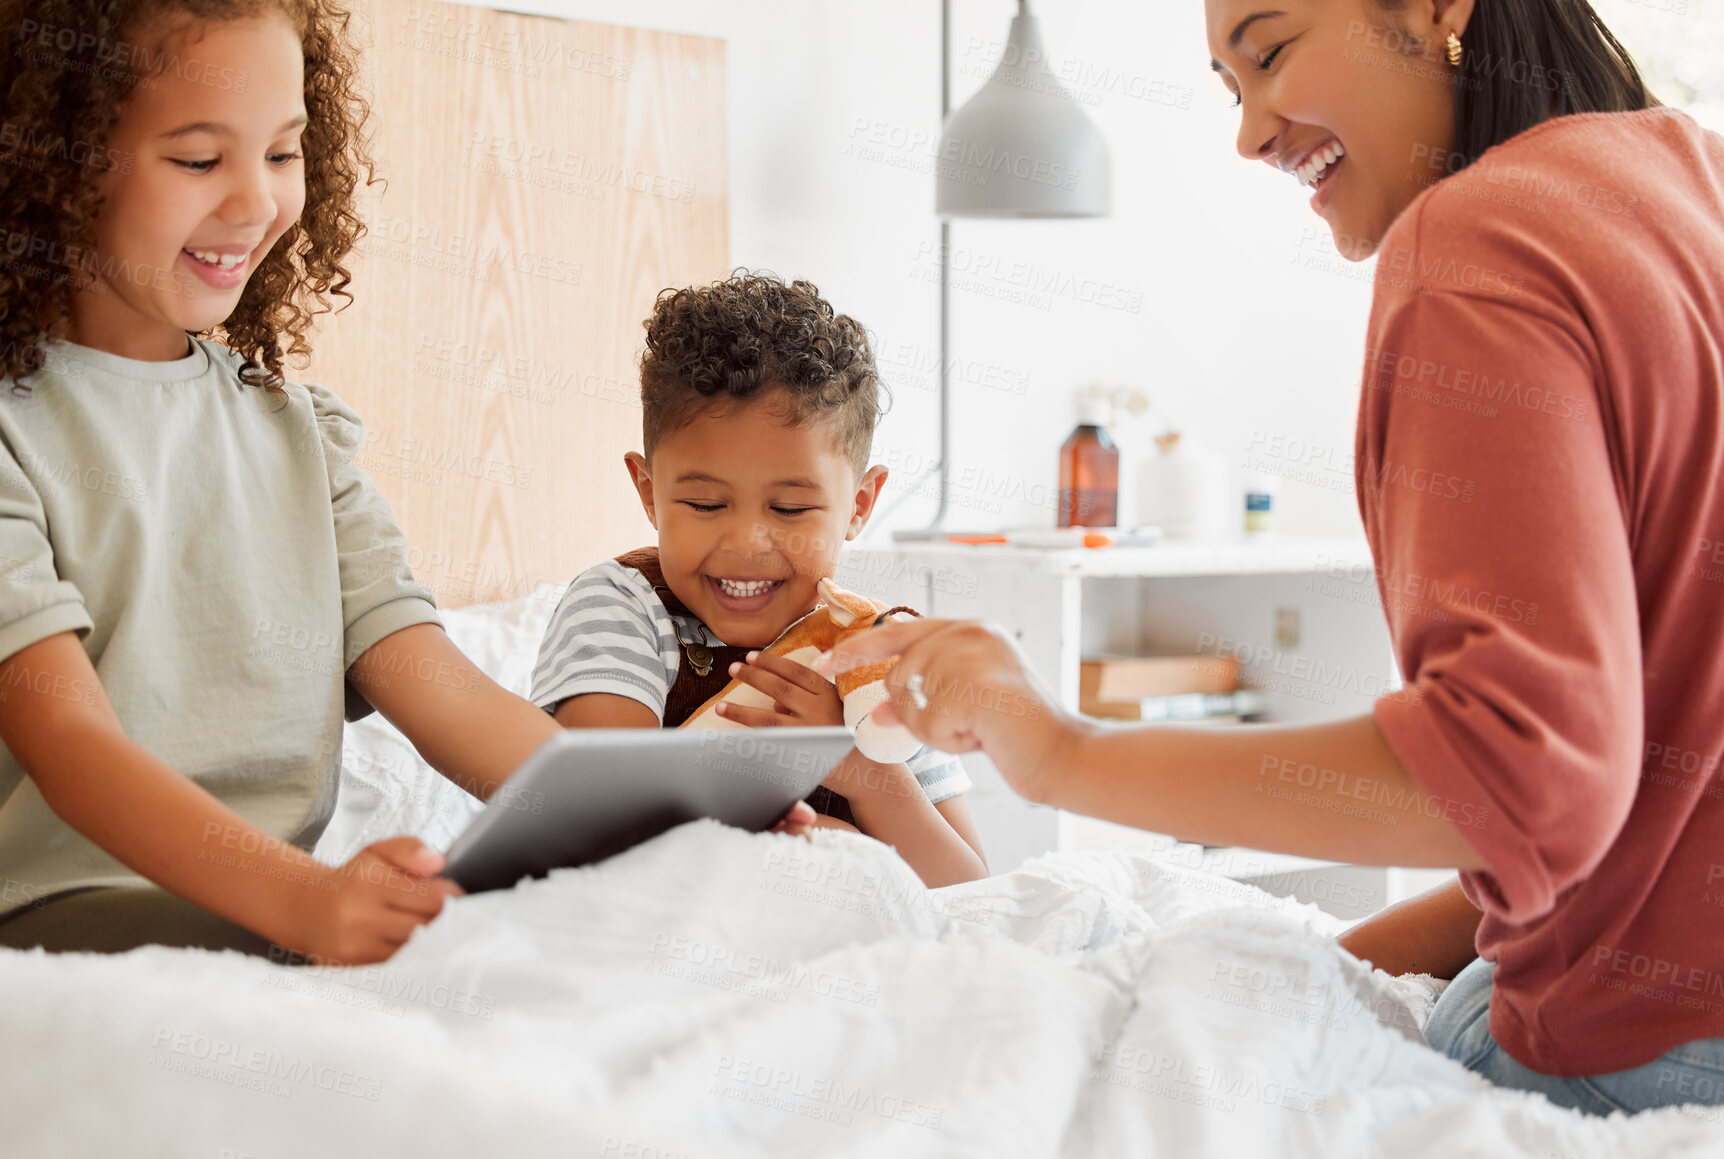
{"x": 545, "y": 179}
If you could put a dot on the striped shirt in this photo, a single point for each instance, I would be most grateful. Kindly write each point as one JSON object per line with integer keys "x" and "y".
{"x": 611, "y": 633}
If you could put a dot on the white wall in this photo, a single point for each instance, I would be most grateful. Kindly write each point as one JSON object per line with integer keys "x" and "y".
{"x": 834, "y": 109}
{"x": 1247, "y": 327}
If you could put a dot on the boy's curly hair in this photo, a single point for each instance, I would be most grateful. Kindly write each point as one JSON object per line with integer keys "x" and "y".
{"x": 70, "y": 68}
{"x": 748, "y": 336}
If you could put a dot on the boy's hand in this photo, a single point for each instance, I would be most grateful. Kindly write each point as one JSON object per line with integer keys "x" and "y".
{"x": 799, "y": 822}
{"x": 367, "y": 909}
{"x": 802, "y": 695}
{"x": 802, "y": 821}
{"x": 824, "y": 822}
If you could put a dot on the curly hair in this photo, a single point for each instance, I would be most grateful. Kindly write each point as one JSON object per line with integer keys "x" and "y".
{"x": 72, "y": 67}
{"x": 747, "y": 337}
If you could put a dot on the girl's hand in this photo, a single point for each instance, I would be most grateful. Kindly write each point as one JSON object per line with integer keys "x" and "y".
{"x": 802, "y": 696}
{"x": 961, "y": 686}
{"x": 367, "y": 909}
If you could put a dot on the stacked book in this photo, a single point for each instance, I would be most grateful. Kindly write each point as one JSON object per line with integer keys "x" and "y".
{"x": 1204, "y": 688}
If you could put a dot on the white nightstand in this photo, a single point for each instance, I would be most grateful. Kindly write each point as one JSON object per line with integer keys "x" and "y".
{"x": 1176, "y": 598}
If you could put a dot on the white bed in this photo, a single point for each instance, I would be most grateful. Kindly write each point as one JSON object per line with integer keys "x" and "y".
{"x": 721, "y": 993}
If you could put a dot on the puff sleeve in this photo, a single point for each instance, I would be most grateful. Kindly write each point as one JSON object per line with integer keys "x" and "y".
{"x": 35, "y": 603}
{"x": 379, "y": 595}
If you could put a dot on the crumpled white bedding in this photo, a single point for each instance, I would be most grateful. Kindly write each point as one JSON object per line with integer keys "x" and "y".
{"x": 718, "y": 993}
{"x": 715, "y": 992}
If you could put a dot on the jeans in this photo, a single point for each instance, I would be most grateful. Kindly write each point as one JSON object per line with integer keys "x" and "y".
{"x": 1460, "y": 1028}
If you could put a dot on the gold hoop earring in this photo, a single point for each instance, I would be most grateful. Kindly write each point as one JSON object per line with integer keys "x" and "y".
{"x": 1454, "y": 50}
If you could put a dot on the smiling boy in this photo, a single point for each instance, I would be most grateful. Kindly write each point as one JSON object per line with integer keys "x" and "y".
{"x": 758, "y": 409}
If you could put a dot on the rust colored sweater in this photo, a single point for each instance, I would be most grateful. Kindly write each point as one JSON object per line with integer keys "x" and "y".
{"x": 1540, "y": 468}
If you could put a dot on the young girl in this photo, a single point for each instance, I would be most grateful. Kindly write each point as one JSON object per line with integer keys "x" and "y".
{"x": 1550, "y": 563}
{"x": 194, "y": 578}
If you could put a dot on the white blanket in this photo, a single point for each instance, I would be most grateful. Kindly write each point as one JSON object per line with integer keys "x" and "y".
{"x": 717, "y": 993}
{"x": 720, "y": 993}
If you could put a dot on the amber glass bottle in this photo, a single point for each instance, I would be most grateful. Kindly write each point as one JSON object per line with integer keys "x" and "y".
{"x": 1089, "y": 470}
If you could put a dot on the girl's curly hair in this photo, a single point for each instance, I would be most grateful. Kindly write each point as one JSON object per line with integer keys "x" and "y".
{"x": 748, "y": 336}
{"x": 71, "y": 67}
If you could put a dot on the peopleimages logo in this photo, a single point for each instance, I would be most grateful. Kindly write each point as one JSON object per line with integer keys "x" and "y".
{"x": 78, "y": 50}
{"x": 756, "y": 974}
{"x": 1658, "y": 979}
{"x": 1402, "y": 265}
{"x": 28, "y": 149}
{"x": 796, "y": 1092}
{"x": 983, "y": 268}
{"x": 222, "y": 1059}
{"x": 1395, "y": 369}
{"x": 1393, "y": 799}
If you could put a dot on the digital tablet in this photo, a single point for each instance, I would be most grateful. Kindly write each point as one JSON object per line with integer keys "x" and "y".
{"x": 587, "y": 794}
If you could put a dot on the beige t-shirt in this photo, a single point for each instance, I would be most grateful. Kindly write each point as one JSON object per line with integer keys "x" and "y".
{"x": 223, "y": 562}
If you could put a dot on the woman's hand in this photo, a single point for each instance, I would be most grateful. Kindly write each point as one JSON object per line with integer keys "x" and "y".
{"x": 802, "y": 695}
{"x": 367, "y": 909}
{"x": 961, "y": 686}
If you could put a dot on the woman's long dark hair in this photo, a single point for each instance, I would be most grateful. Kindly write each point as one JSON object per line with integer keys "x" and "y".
{"x": 1526, "y": 61}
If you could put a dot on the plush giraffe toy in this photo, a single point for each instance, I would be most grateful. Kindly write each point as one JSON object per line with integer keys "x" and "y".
{"x": 838, "y": 616}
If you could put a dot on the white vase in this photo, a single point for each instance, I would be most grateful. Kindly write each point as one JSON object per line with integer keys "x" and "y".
{"x": 1184, "y": 490}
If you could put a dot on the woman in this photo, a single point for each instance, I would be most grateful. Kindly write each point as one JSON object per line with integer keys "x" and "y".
{"x": 1540, "y": 466}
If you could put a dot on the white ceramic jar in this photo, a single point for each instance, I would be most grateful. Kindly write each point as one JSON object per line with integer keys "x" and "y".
{"x": 1185, "y": 490}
